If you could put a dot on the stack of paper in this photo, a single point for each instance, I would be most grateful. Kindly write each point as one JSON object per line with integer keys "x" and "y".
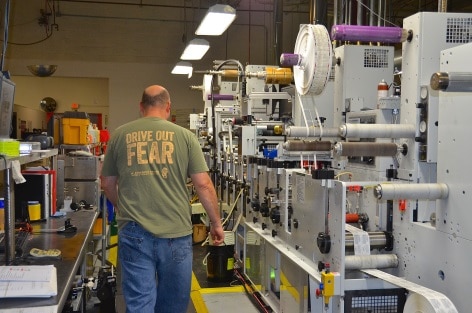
{"x": 33, "y": 281}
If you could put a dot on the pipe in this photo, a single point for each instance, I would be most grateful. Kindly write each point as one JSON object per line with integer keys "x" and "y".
{"x": 335, "y": 12}
{"x": 442, "y": 5}
{"x": 371, "y": 12}
{"x": 278, "y": 29}
{"x": 360, "y": 11}
{"x": 380, "y": 19}
{"x": 9, "y": 212}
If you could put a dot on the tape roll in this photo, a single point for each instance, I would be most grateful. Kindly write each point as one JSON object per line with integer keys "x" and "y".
{"x": 313, "y": 45}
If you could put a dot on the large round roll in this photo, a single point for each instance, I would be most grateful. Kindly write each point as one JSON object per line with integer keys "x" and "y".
{"x": 313, "y": 45}
{"x": 418, "y": 303}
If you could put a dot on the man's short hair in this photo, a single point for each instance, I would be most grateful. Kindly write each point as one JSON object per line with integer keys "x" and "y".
{"x": 158, "y": 99}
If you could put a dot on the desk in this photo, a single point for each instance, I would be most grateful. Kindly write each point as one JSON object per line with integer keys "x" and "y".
{"x": 73, "y": 247}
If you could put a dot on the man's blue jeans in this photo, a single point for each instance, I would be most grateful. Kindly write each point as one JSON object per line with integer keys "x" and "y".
{"x": 156, "y": 272}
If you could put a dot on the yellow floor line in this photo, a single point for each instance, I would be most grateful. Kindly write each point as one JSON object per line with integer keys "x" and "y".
{"x": 196, "y": 296}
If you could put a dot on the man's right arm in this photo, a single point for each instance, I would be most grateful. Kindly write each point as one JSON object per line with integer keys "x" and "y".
{"x": 110, "y": 188}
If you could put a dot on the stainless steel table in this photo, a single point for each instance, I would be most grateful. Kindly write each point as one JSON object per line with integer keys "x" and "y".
{"x": 73, "y": 247}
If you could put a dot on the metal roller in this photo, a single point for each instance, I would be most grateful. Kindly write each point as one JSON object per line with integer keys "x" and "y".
{"x": 378, "y": 240}
{"x": 411, "y": 191}
{"x": 358, "y": 262}
{"x": 300, "y": 131}
{"x": 366, "y": 33}
{"x": 218, "y": 97}
{"x": 302, "y": 145}
{"x": 283, "y": 76}
{"x": 376, "y": 131}
{"x": 366, "y": 149}
{"x": 451, "y": 82}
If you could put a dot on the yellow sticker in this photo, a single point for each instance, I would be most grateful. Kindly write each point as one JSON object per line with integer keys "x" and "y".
{"x": 230, "y": 264}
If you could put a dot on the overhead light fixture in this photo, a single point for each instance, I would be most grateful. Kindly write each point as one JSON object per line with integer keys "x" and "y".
{"x": 183, "y": 68}
{"x": 195, "y": 49}
{"x": 216, "y": 20}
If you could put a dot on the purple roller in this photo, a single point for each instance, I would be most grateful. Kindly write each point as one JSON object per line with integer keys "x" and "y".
{"x": 368, "y": 33}
{"x": 218, "y": 97}
{"x": 289, "y": 59}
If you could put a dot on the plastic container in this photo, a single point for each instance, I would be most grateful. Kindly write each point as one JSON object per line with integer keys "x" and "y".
{"x": 199, "y": 233}
{"x": 220, "y": 263}
{"x": 34, "y": 210}
{"x": 10, "y": 147}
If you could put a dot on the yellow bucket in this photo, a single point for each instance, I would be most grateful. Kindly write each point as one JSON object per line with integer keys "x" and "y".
{"x": 34, "y": 210}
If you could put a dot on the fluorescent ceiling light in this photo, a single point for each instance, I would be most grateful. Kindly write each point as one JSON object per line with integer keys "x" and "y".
{"x": 183, "y": 68}
{"x": 195, "y": 49}
{"x": 217, "y": 20}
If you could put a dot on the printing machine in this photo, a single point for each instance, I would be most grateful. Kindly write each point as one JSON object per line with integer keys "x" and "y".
{"x": 364, "y": 207}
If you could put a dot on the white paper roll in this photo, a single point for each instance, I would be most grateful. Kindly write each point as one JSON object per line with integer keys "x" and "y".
{"x": 423, "y": 300}
{"x": 313, "y": 44}
{"x": 417, "y": 303}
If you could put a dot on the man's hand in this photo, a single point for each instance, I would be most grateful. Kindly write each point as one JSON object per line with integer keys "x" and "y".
{"x": 217, "y": 233}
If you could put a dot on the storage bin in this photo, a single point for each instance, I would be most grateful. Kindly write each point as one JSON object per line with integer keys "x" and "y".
{"x": 74, "y": 131}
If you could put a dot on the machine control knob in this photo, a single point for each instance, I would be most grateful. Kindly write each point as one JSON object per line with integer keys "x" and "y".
{"x": 274, "y": 233}
{"x": 323, "y": 241}
{"x": 264, "y": 226}
{"x": 295, "y": 223}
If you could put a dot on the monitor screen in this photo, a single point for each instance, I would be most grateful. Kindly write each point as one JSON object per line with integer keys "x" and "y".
{"x": 7, "y": 95}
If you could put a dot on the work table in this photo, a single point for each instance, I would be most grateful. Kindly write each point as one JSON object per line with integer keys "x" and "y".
{"x": 73, "y": 248}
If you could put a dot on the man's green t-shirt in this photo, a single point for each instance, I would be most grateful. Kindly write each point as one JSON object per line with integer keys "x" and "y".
{"x": 153, "y": 159}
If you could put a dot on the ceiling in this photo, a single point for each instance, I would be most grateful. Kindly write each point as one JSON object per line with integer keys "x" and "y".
{"x": 153, "y": 31}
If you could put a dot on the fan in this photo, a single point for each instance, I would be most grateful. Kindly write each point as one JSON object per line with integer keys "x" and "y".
{"x": 48, "y": 104}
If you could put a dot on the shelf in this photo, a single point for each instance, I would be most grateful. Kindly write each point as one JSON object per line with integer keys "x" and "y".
{"x": 28, "y": 158}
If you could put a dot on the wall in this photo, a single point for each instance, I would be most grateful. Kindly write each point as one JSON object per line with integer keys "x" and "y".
{"x": 125, "y": 84}
{"x": 135, "y": 46}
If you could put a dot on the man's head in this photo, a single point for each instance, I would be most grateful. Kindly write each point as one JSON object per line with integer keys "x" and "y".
{"x": 155, "y": 102}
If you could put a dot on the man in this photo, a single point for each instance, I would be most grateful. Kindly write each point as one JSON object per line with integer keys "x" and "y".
{"x": 144, "y": 175}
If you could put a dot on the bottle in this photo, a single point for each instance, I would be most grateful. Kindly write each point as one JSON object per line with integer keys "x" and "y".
{"x": 382, "y": 91}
